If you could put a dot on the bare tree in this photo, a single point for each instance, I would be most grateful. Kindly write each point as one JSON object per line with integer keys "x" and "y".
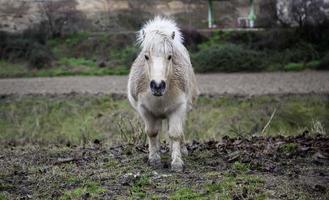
{"x": 269, "y": 17}
{"x": 303, "y": 12}
{"x": 111, "y": 21}
{"x": 60, "y": 14}
{"x": 14, "y": 8}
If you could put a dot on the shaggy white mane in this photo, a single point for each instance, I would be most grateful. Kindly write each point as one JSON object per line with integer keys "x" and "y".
{"x": 160, "y": 26}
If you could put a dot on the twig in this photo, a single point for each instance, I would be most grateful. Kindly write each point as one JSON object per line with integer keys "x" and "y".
{"x": 269, "y": 121}
{"x": 65, "y": 160}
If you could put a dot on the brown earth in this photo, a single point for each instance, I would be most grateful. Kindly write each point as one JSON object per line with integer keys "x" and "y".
{"x": 244, "y": 84}
{"x": 254, "y": 168}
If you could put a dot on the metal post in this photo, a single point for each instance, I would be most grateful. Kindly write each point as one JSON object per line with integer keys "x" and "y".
{"x": 210, "y": 21}
{"x": 252, "y": 15}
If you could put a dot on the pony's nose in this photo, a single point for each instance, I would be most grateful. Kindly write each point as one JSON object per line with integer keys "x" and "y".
{"x": 157, "y": 88}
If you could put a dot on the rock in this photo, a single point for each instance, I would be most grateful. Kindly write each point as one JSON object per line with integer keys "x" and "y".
{"x": 129, "y": 178}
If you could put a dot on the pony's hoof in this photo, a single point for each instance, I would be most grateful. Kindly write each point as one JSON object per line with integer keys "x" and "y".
{"x": 177, "y": 166}
{"x": 155, "y": 161}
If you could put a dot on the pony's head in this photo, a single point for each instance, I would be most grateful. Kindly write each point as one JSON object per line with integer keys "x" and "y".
{"x": 158, "y": 40}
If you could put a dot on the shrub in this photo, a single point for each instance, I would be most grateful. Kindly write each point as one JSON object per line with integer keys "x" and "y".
{"x": 324, "y": 63}
{"x": 227, "y": 58}
{"x": 274, "y": 39}
{"x": 128, "y": 56}
{"x": 27, "y": 46}
{"x": 40, "y": 56}
{"x": 192, "y": 38}
{"x": 300, "y": 53}
{"x": 216, "y": 38}
{"x": 313, "y": 64}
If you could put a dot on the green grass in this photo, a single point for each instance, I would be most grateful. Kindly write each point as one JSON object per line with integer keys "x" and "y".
{"x": 301, "y": 66}
{"x": 79, "y": 119}
{"x": 89, "y": 189}
{"x": 241, "y": 167}
{"x": 77, "y": 62}
{"x": 2, "y": 197}
{"x": 237, "y": 186}
{"x": 227, "y": 186}
{"x": 288, "y": 148}
{"x": 138, "y": 188}
{"x": 238, "y": 183}
{"x": 185, "y": 194}
{"x": 12, "y": 70}
{"x": 65, "y": 67}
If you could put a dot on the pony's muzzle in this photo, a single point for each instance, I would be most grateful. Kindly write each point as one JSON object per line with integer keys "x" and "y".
{"x": 158, "y": 88}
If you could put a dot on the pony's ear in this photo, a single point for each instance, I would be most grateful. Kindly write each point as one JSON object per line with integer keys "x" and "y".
{"x": 143, "y": 34}
{"x": 173, "y": 35}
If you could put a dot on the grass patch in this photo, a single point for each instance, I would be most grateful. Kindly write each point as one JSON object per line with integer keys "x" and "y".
{"x": 294, "y": 67}
{"x": 88, "y": 190}
{"x": 288, "y": 148}
{"x": 79, "y": 119}
{"x": 242, "y": 186}
{"x": 185, "y": 194}
{"x": 65, "y": 67}
{"x": 241, "y": 167}
{"x": 245, "y": 117}
{"x": 77, "y": 62}
{"x": 237, "y": 184}
{"x": 8, "y": 69}
{"x": 2, "y": 197}
{"x": 138, "y": 188}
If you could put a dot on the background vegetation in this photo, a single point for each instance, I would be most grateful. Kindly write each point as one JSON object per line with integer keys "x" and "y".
{"x": 32, "y": 54}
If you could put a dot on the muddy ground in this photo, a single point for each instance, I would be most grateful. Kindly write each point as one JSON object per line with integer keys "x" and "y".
{"x": 254, "y": 168}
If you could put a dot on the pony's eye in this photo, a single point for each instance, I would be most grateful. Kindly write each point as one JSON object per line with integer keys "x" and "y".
{"x": 146, "y": 57}
{"x": 169, "y": 57}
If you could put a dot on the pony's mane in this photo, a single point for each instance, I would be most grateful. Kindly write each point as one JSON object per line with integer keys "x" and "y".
{"x": 159, "y": 26}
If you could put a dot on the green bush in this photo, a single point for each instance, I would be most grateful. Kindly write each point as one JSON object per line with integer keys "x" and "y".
{"x": 216, "y": 38}
{"x": 274, "y": 39}
{"x": 227, "y": 58}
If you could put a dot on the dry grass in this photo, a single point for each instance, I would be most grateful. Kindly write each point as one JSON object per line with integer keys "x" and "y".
{"x": 80, "y": 119}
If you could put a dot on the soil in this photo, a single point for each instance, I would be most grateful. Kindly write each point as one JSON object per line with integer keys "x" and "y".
{"x": 240, "y": 168}
{"x": 245, "y": 84}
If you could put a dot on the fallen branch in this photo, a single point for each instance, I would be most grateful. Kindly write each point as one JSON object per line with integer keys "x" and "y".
{"x": 65, "y": 160}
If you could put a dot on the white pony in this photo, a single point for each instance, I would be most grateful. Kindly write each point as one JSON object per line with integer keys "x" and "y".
{"x": 162, "y": 85}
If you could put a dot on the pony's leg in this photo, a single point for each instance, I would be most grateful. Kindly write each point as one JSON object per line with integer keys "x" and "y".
{"x": 176, "y": 135}
{"x": 183, "y": 147}
{"x": 152, "y": 127}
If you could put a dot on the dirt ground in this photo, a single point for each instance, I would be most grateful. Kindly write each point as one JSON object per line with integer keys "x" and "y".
{"x": 254, "y": 168}
{"x": 295, "y": 167}
{"x": 246, "y": 84}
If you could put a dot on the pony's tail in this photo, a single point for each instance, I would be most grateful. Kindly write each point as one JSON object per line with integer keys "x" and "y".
{"x": 159, "y": 25}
